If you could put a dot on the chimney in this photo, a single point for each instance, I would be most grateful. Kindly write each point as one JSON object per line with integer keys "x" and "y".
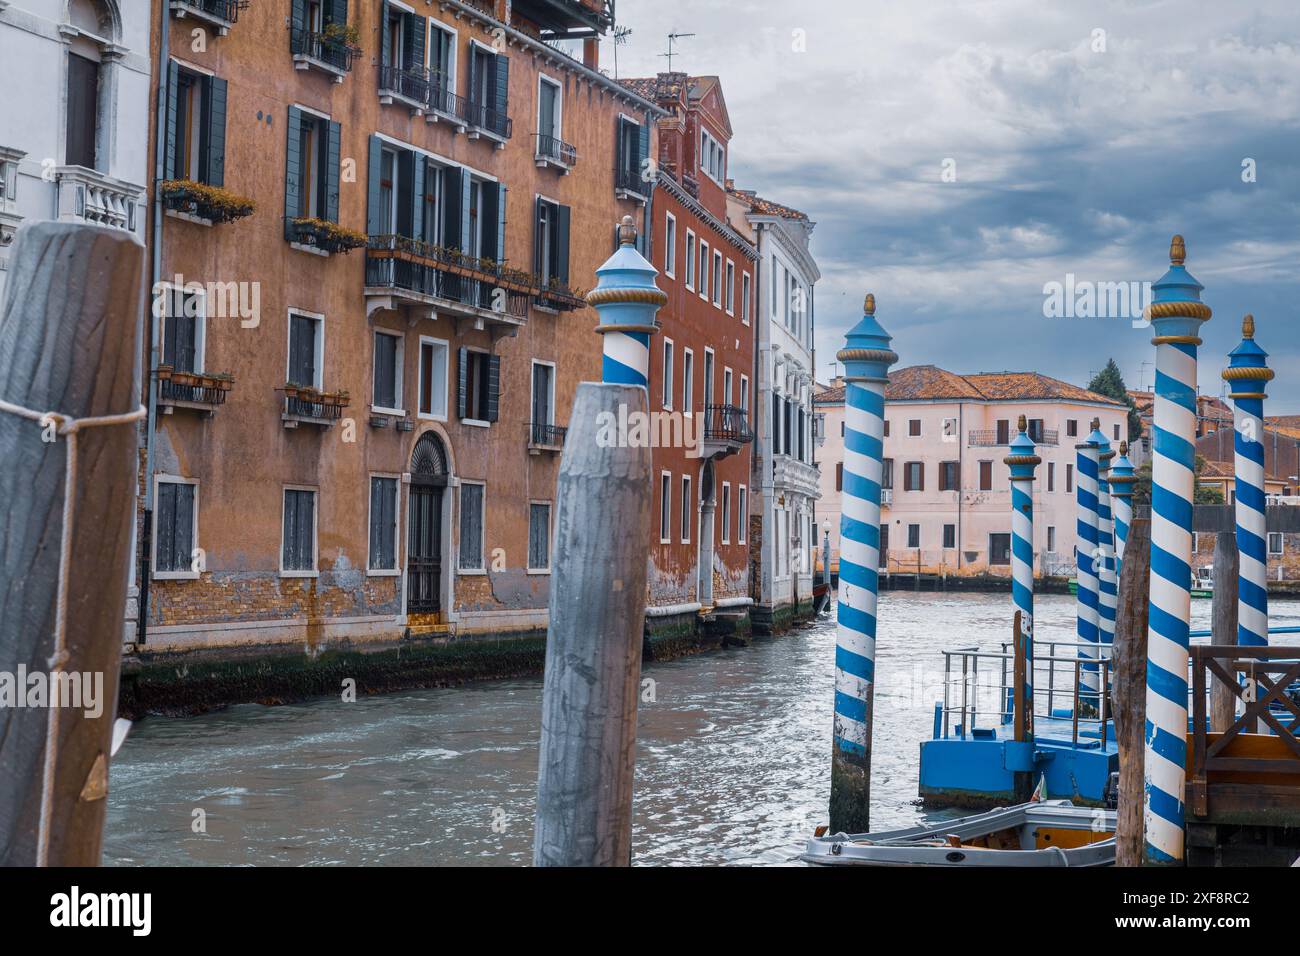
{"x": 591, "y": 53}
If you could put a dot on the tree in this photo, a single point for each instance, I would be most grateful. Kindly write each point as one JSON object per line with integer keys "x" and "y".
{"x": 1201, "y": 494}
{"x": 1110, "y": 382}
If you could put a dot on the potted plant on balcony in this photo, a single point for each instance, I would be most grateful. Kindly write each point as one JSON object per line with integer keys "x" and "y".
{"x": 344, "y": 37}
{"x": 291, "y": 389}
{"x": 221, "y": 380}
{"x": 164, "y": 373}
{"x": 339, "y": 398}
{"x": 211, "y": 203}
{"x": 310, "y": 394}
{"x": 184, "y": 378}
{"x": 325, "y": 235}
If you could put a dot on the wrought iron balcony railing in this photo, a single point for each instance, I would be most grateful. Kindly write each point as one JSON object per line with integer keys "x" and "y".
{"x": 992, "y": 437}
{"x": 490, "y": 120}
{"x": 323, "y": 49}
{"x": 726, "y": 423}
{"x": 542, "y": 435}
{"x": 553, "y": 150}
{"x": 396, "y": 262}
{"x": 204, "y": 392}
{"x": 222, "y": 11}
{"x": 410, "y": 84}
{"x": 297, "y": 407}
{"x": 630, "y": 180}
{"x": 444, "y": 101}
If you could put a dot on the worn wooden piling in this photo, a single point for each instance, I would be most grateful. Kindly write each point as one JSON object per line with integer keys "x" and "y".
{"x": 1223, "y": 613}
{"x": 69, "y": 327}
{"x": 1129, "y": 688}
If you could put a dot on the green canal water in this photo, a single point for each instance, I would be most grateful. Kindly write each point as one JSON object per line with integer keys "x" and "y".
{"x": 733, "y": 760}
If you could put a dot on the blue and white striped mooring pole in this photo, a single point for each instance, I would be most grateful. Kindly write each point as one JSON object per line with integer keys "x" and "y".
{"x": 1085, "y": 550}
{"x": 1104, "y": 559}
{"x": 1122, "y": 479}
{"x": 1023, "y": 460}
{"x": 866, "y": 357}
{"x": 1247, "y": 375}
{"x": 623, "y": 292}
{"x": 1177, "y": 313}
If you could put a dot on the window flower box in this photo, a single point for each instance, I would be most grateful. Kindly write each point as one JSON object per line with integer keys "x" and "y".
{"x": 198, "y": 390}
{"x": 211, "y": 204}
{"x": 324, "y": 235}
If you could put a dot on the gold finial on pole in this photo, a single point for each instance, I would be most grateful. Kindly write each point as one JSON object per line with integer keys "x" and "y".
{"x": 627, "y": 231}
{"x": 1021, "y": 424}
{"x": 1248, "y": 327}
{"x": 1096, "y": 424}
{"x": 1177, "y": 251}
{"x": 869, "y": 304}
{"x": 1123, "y": 449}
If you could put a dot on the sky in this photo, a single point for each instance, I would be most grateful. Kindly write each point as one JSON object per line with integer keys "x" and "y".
{"x": 958, "y": 157}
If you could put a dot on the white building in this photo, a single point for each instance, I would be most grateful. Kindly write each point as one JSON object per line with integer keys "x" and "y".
{"x": 785, "y": 476}
{"x": 74, "y": 113}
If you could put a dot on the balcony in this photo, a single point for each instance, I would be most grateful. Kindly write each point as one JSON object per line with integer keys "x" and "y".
{"x": 886, "y": 497}
{"x": 408, "y": 86}
{"x": 726, "y": 430}
{"x": 322, "y": 237}
{"x": 554, "y": 152}
{"x": 567, "y": 19}
{"x": 993, "y": 438}
{"x": 203, "y": 204}
{"x": 327, "y": 52}
{"x": 306, "y": 405}
{"x": 10, "y": 217}
{"x": 218, "y": 14}
{"x": 792, "y": 476}
{"x": 629, "y": 184}
{"x": 545, "y": 437}
{"x": 198, "y": 391}
{"x": 90, "y": 196}
{"x": 484, "y": 120}
{"x": 442, "y": 105}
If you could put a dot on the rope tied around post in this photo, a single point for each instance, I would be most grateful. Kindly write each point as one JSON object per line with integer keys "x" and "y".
{"x": 68, "y": 426}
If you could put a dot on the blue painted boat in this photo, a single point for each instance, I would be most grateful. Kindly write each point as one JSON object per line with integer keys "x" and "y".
{"x": 973, "y": 757}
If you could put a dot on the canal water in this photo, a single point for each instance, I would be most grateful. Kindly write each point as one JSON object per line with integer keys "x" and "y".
{"x": 733, "y": 759}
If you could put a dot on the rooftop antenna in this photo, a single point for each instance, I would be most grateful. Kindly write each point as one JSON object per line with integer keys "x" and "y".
{"x": 669, "y": 54}
{"x": 620, "y": 37}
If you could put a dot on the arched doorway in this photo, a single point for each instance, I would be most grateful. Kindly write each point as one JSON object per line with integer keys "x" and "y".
{"x": 708, "y": 501}
{"x": 430, "y": 476}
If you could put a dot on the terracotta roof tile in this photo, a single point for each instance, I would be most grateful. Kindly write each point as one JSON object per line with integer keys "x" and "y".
{"x": 766, "y": 207}
{"x": 929, "y": 382}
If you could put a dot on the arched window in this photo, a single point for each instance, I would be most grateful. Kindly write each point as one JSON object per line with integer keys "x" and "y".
{"x": 93, "y": 29}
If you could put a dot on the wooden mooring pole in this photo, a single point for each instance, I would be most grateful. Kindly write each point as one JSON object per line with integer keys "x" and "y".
{"x": 1227, "y": 565}
{"x": 1130, "y": 688}
{"x": 69, "y": 327}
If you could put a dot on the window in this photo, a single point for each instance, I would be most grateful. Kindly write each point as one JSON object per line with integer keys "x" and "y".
{"x": 713, "y": 158}
{"x": 1072, "y": 428}
{"x": 744, "y": 394}
{"x": 298, "y": 548}
{"x": 311, "y": 170}
{"x": 914, "y": 428}
{"x": 726, "y": 386}
{"x": 884, "y": 545}
{"x": 1275, "y": 542}
{"x": 670, "y": 245}
{"x": 886, "y": 428}
{"x": 478, "y": 393}
{"x": 83, "y": 110}
{"x": 1117, "y": 431}
{"x": 1035, "y": 430}
{"x": 744, "y": 297}
{"x": 539, "y": 536}
{"x": 388, "y": 372}
{"x": 667, "y": 382}
{"x": 1051, "y": 538}
{"x": 551, "y": 261}
{"x": 1003, "y": 431}
{"x": 704, "y": 269}
{"x": 950, "y": 536}
{"x": 471, "y": 526}
{"x": 914, "y": 476}
{"x": 1069, "y": 477}
{"x": 839, "y": 476}
{"x": 550, "y": 100}
{"x": 726, "y": 512}
{"x": 986, "y": 476}
{"x": 717, "y": 278}
{"x": 632, "y": 162}
{"x": 306, "y": 343}
{"x": 690, "y": 260}
{"x": 742, "y": 514}
{"x": 176, "y": 528}
{"x": 1051, "y": 477}
{"x": 688, "y": 383}
{"x": 1000, "y": 548}
{"x": 433, "y": 379}
{"x": 489, "y": 89}
{"x": 913, "y": 535}
{"x": 196, "y": 126}
{"x": 688, "y": 509}
{"x": 729, "y": 293}
{"x": 442, "y": 65}
{"x": 949, "y": 476}
{"x": 887, "y": 473}
{"x": 184, "y": 327}
{"x": 665, "y": 507}
{"x": 543, "y": 405}
{"x": 383, "y": 524}
{"x": 708, "y": 379}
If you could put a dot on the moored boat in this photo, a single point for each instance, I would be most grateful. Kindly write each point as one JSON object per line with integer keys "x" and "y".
{"x": 1051, "y": 833}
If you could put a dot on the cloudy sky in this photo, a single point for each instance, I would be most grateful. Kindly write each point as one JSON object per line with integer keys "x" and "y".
{"x": 1082, "y": 137}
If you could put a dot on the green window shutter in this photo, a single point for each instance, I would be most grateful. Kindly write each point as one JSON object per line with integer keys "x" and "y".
{"x": 451, "y": 178}
{"x": 476, "y": 96}
{"x": 462, "y": 391}
{"x": 417, "y": 197}
{"x": 501, "y": 222}
{"x": 216, "y": 172}
{"x": 292, "y": 170}
{"x": 642, "y": 148}
{"x": 538, "y": 241}
{"x": 173, "y": 84}
{"x": 465, "y": 186}
{"x": 385, "y": 54}
{"x": 416, "y": 27}
{"x": 373, "y": 212}
{"x": 332, "y": 173}
{"x": 494, "y": 386}
{"x": 299, "y": 15}
{"x": 562, "y": 245}
{"x": 501, "y": 90}
{"x": 405, "y": 193}
{"x": 336, "y": 11}
{"x": 488, "y": 213}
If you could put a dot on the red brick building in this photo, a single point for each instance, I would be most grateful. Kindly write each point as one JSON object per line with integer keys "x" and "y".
{"x": 701, "y": 362}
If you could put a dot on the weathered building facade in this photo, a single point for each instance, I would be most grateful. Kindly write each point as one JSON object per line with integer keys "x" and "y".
{"x": 700, "y": 364}
{"x": 785, "y": 476}
{"x": 379, "y": 221}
